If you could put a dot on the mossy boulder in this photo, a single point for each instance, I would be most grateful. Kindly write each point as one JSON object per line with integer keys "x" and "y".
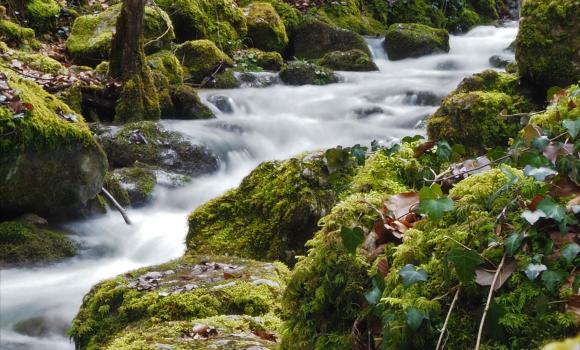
{"x": 187, "y": 104}
{"x": 290, "y": 16}
{"x": 149, "y": 143}
{"x": 405, "y": 40}
{"x": 548, "y": 44}
{"x": 14, "y": 33}
{"x": 305, "y": 73}
{"x": 49, "y": 162}
{"x": 352, "y": 60}
{"x": 362, "y": 17}
{"x": 220, "y": 21}
{"x": 34, "y": 61}
{"x": 266, "y": 30}
{"x": 225, "y": 80}
{"x": 23, "y": 242}
{"x": 273, "y": 211}
{"x": 314, "y": 39}
{"x": 91, "y": 35}
{"x": 171, "y": 298}
{"x": 135, "y": 184}
{"x": 254, "y": 60}
{"x": 42, "y": 15}
{"x": 201, "y": 58}
{"x": 567, "y": 107}
{"x": 167, "y": 64}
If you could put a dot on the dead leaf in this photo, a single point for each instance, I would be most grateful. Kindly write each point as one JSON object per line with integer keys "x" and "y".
{"x": 535, "y": 201}
{"x": 402, "y": 203}
{"x": 269, "y": 336}
{"x": 531, "y": 132}
{"x": 564, "y": 187}
{"x": 485, "y": 277}
{"x": 383, "y": 267}
{"x": 424, "y": 147}
{"x": 202, "y": 331}
{"x": 573, "y": 205}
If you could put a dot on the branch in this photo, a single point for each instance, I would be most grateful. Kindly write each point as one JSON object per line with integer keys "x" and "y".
{"x": 448, "y": 317}
{"x": 167, "y": 22}
{"x": 116, "y": 205}
{"x": 489, "y": 296}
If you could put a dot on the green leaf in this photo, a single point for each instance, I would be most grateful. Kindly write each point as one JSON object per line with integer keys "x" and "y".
{"x": 352, "y": 238}
{"x": 552, "y": 280}
{"x": 512, "y": 180}
{"x": 459, "y": 149}
{"x": 465, "y": 262}
{"x": 412, "y": 275}
{"x": 432, "y": 202}
{"x": 444, "y": 151}
{"x": 513, "y": 243}
{"x": 410, "y": 139}
{"x": 572, "y": 126}
{"x": 552, "y": 210}
{"x": 358, "y": 153}
{"x": 432, "y": 192}
{"x": 539, "y": 174}
{"x": 374, "y": 296}
{"x": 415, "y": 318}
{"x": 534, "y": 270}
{"x": 533, "y": 216}
{"x": 336, "y": 158}
{"x": 496, "y": 153}
{"x": 570, "y": 252}
{"x": 540, "y": 143}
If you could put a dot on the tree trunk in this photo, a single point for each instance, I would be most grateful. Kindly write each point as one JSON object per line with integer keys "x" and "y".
{"x": 139, "y": 99}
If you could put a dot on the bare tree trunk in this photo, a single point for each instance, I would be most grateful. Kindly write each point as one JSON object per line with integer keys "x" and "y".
{"x": 139, "y": 100}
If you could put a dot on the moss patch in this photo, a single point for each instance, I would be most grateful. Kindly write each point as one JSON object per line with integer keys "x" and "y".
{"x": 404, "y": 40}
{"x": 265, "y": 27}
{"x": 352, "y": 60}
{"x": 166, "y": 63}
{"x": 201, "y": 58}
{"x": 304, "y": 73}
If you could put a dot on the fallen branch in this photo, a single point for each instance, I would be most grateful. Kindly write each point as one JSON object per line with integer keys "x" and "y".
{"x": 448, "y": 317}
{"x": 487, "y": 304}
{"x": 526, "y": 114}
{"x": 116, "y": 205}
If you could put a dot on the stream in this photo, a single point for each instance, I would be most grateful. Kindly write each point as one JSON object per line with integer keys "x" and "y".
{"x": 269, "y": 123}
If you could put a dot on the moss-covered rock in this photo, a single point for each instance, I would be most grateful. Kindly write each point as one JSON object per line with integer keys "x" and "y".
{"x": 225, "y": 80}
{"x": 187, "y": 104}
{"x": 357, "y": 16}
{"x": 253, "y": 60}
{"x": 139, "y": 99}
{"x": 150, "y": 144}
{"x": 548, "y": 44}
{"x": 194, "y": 289}
{"x": 138, "y": 182}
{"x": 352, "y": 60}
{"x": 14, "y": 33}
{"x": 220, "y": 21}
{"x": 272, "y": 213}
{"x": 304, "y": 73}
{"x": 91, "y": 35}
{"x": 289, "y": 14}
{"x": 42, "y": 15}
{"x": 201, "y": 58}
{"x": 567, "y": 107}
{"x": 35, "y": 61}
{"x": 266, "y": 30}
{"x": 404, "y": 40}
{"x": 22, "y": 242}
{"x": 314, "y": 39}
{"x": 49, "y": 161}
{"x": 166, "y": 63}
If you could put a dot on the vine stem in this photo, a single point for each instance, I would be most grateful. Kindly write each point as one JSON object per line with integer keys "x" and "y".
{"x": 487, "y": 304}
{"x": 447, "y": 318}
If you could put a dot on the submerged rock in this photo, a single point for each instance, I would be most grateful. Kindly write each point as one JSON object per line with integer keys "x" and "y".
{"x": 305, "y": 73}
{"x": 266, "y": 30}
{"x": 151, "y": 144}
{"x": 352, "y": 60}
{"x": 223, "y": 103}
{"x": 407, "y": 40}
{"x": 498, "y": 61}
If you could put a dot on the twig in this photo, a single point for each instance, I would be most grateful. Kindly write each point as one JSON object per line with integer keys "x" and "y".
{"x": 487, "y": 304}
{"x": 521, "y": 114}
{"x": 448, "y": 317}
{"x": 167, "y": 22}
{"x": 116, "y": 205}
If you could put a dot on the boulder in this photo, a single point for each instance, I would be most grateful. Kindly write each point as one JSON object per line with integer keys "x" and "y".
{"x": 42, "y": 15}
{"x": 275, "y": 209}
{"x": 166, "y": 63}
{"x": 548, "y": 43}
{"x": 406, "y": 40}
{"x": 304, "y": 73}
{"x": 201, "y": 58}
{"x": 186, "y": 104}
{"x": 91, "y": 35}
{"x": 206, "y": 301}
{"x": 49, "y": 162}
{"x": 137, "y": 182}
{"x": 149, "y": 143}
{"x": 266, "y": 30}
{"x": 220, "y": 21}
{"x": 254, "y": 60}
{"x": 352, "y": 60}
{"x": 314, "y": 39}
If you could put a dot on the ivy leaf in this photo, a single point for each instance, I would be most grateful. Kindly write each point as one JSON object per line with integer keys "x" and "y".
{"x": 533, "y": 216}
{"x": 444, "y": 151}
{"x": 534, "y": 270}
{"x": 410, "y": 139}
{"x": 540, "y": 173}
{"x": 352, "y": 238}
{"x": 552, "y": 280}
{"x": 540, "y": 143}
{"x": 465, "y": 262}
{"x": 531, "y": 132}
{"x": 512, "y": 243}
{"x": 415, "y": 318}
{"x": 570, "y": 252}
{"x": 552, "y": 210}
{"x": 412, "y": 275}
{"x": 433, "y": 203}
{"x": 358, "y": 153}
{"x": 374, "y": 296}
{"x": 572, "y": 126}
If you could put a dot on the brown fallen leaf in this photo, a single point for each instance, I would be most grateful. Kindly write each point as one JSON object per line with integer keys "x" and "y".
{"x": 202, "y": 331}
{"x": 531, "y": 132}
{"x": 383, "y": 267}
{"x": 485, "y": 277}
{"x": 424, "y": 147}
{"x": 269, "y": 336}
{"x": 402, "y": 203}
{"x": 535, "y": 201}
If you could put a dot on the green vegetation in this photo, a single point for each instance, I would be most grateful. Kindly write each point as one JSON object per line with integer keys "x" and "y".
{"x": 352, "y": 60}
{"x": 404, "y": 40}
{"x": 303, "y": 73}
{"x": 266, "y": 30}
{"x": 201, "y": 58}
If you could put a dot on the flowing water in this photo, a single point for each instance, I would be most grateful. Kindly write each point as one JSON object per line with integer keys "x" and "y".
{"x": 269, "y": 123}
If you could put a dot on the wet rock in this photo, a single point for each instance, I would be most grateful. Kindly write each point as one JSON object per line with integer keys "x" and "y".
{"x": 186, "y": 104}
{"x": 306, "y": 73}
{"x": 201, "y": 58}
{"x": 407, "y": 40}
{"x": 41, "y": 327}
{"x": 257, "y": 80}
{"x": 352, "y": 60}
{"x": 223, "y": 103}
{"x": 365, "y": 112}
{"x": 265, "y": 27}
{"x": 422, "y": 98}
{"x": 138, "y": 182}
{"x": 447, "y": 65}
{"x": 498, "y": 61}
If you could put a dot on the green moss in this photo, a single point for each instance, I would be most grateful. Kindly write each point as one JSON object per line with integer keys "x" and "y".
{"x": 303, "y": 73}
{"x": 290, "y": 15}
{"x": 351, "y": 15}
{"x": 113, "y": 185}
{"x": 91, "y": 35}
{"x": 567, "y": 107}
{"x": 220, "y": 21}
{"x": 42, "y": 14}
{"x": 226, "y": 80}
{"x": 201, "y": 58}
{"x": 139, "y": 99}
{"x": 253, "y": 60}
{"x": 190, "y": 288}
{"x": 547, "y": 43}
{"x": 404, "y": 40}
{"x": 352, "y": 60}
{"x": 266, "y": 30}
{"x": 314, "y": 39}
{"x": 187, "y": 104}
{"x": 102, "y": 68}
{"x": 36, "y": 61}
{"x": 12, "y": 32}
{"x": 166, "y": 63}
{"x": 271, "y": 214}
{"x": 135, "y": 184}
{"x": 24, "y": 243}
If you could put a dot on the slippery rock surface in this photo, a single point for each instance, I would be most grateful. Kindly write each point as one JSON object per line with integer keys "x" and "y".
{"x": 405, "y": 40}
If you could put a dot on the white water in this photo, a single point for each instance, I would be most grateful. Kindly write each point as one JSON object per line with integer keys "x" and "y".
{"x": 268, "y": 123}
